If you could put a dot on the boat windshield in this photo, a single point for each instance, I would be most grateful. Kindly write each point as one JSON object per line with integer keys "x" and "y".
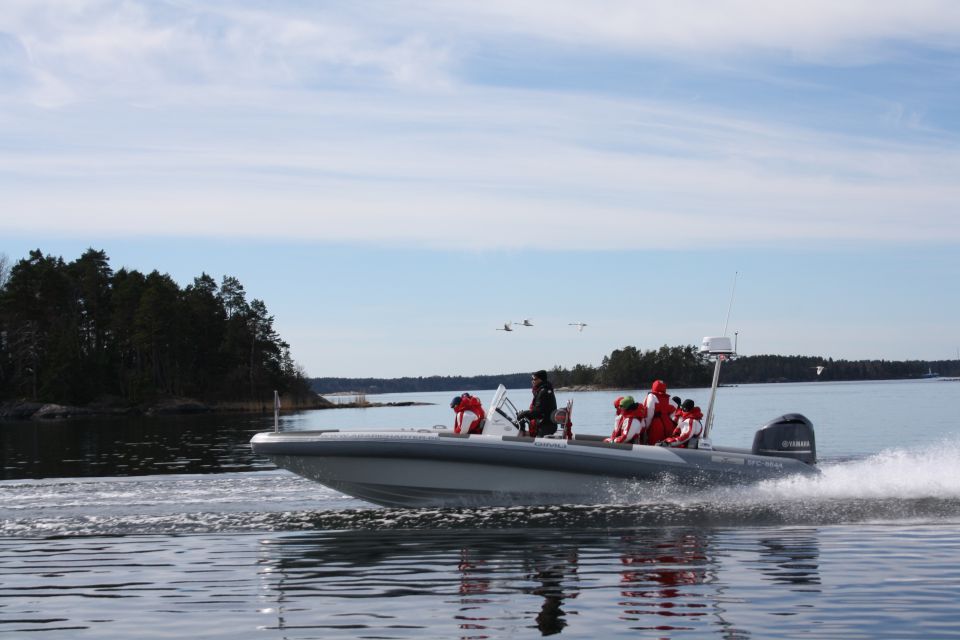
{"x": 507, "y": 409}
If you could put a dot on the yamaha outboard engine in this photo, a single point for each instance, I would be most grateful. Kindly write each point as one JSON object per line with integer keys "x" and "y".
{"x": 789, "y": 436}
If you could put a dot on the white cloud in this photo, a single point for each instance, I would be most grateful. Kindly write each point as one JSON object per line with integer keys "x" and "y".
{"x": 554, "y": 169}
{"x": 814, "y": 29}
{"x": 127, "y": 48}
{"x": 350, "y": 123}
{"x": 149, "y": 50}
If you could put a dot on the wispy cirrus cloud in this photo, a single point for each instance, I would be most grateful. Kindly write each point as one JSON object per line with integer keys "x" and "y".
{"x": 363, "y": 122}
{"x": 816, "y": 30}
{"x": 131, "y": 50}
{"x": 92, "y": 41}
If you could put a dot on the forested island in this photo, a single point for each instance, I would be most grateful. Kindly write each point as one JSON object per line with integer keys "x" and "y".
{"x": 681, "y": 367}
{"x": 80, "y": 333}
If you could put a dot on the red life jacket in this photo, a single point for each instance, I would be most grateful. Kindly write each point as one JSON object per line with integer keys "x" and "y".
{"x": 624, "y": 421}
{"x": 616, "y": 421}
{"x": 472, "y": 404}
{"x": 689, "y": 421}
{"x": 662, "y": 424}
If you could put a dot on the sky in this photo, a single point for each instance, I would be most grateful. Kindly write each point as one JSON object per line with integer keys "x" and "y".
{"x": 396, "y": 180}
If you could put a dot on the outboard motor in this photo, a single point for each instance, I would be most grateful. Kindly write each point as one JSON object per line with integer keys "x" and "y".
{"x": 789, "y": 436}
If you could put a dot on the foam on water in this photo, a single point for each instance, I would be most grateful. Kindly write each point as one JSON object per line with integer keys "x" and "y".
{"x": 903, "y": 474}
{"x": 930, "y": 472}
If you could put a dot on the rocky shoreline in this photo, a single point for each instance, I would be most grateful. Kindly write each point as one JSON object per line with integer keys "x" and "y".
{"x": 26, "y": 410}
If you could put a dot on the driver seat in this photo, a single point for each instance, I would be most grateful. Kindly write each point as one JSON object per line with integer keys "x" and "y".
{"x": 563, "y": 418}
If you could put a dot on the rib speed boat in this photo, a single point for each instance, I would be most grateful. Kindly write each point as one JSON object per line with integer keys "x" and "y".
{"x": 504, "y": 466}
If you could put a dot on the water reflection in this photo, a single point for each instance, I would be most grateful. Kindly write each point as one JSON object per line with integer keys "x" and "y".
{"x": 129, "y": 446}
{"x": 858, "y": 581}
{"x": 656, "y": 577}
{"x": 557, "y": 578}
{"x": 485, "y": 583}
{"x": 546, "y": 572}
{"x": 792, "y": 558}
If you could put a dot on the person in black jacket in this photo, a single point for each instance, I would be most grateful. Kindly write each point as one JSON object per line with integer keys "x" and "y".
{"x": 542, "y": 406}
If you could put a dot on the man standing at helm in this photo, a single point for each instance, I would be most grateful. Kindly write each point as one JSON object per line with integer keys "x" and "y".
{"x": 659, "y": 418}
{"x": 542, "y": 406}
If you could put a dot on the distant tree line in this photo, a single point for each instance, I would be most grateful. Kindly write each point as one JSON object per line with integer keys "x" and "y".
{"x": 79, "y": 332}
{"x": 680, "y": 367}
{"x": 411, "y": 384}
{"x": 629, "y": 368}
{"x": 768, "y": 368}
{"x": 624, "y": 368}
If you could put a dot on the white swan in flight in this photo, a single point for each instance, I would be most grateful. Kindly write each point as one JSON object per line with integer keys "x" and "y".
{"x": 507, "y": 326}
{"x": 578, "y": 325}
{"x": 819, "y": 369}
{"x": 525, "y": 323}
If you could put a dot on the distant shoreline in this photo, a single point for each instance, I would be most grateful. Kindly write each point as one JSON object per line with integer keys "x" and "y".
{"x": 17, "y": 411}
{"x": 24, "y": 410}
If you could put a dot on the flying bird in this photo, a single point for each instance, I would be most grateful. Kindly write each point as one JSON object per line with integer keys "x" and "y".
{"x": 507, "y": 326}
{"x": 525, "y": 323}
{"x": 578, "y": 325}
{"x": 819, "y": 369}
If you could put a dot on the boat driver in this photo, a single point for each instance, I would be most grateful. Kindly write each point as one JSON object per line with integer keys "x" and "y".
{"x": 542, "y": 406}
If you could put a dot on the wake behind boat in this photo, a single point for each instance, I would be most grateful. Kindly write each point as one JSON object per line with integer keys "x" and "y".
{"x": 503, "y": 466}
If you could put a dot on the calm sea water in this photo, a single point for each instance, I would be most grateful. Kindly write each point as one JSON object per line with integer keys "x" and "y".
{"x": 172, "y": 528}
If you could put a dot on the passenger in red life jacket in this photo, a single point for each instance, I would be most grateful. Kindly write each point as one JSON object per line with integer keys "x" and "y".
{"x": 629, "y": 427}
{"x": 689, "y": 427}
{"x": 467, "y": 403}
{"x": 659, "y": 418}
{"x": 616, "y": 419}
{"x": 542, "y": 406}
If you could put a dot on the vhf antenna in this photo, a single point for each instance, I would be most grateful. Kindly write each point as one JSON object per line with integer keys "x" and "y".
{"x": 730, "y": 307}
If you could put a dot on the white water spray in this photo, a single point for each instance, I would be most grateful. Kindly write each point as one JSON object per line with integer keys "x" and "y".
{"x": 907, "y": 474}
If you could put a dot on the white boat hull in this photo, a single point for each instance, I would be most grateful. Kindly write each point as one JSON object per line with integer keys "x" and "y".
{"x": 429, "y": 468}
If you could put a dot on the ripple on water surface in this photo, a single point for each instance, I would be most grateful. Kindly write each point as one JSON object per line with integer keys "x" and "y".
{"x": 891, "y": 486}
{"x": 780, "y": 582}
{"x": 866, "y": 550}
